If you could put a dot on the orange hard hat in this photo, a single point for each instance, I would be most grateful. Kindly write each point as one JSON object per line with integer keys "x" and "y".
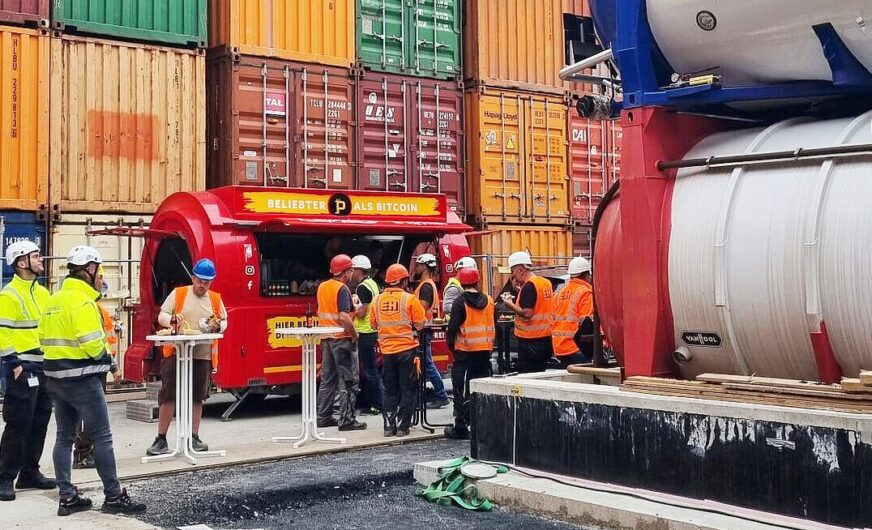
{"x": 396, "y": 273}
{"x": 339, "y": 264}
{"x": 468, "y": 276}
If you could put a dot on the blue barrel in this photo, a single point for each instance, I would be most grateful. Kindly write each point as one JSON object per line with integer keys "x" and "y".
{"x": 16, "y": 226}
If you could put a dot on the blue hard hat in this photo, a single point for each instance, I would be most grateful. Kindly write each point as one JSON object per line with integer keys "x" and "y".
{"x": 205, "y": 270}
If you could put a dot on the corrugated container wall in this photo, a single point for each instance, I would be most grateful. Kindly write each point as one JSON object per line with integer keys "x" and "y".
{"x": 577, "y": 7}
{"x": 548, "y": 246}
{"x": 594, "y": 158}
{"x": 410, "y": 38}
{"x": 279, "y": 123}
{"x": 18, "y": 226}
{"x": 128, "y": 126}
{"x": 29, "y": 12}
{"x": 180, "y": 22}
{"x": 24, "y": 72}
{"x": 516, "y": 170}
{"x": 411, "y": 136}
{"x": 514, "y": 44}
{"x": 318, "y": 31}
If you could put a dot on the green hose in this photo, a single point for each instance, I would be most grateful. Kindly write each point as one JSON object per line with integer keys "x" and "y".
{"x": 453, "y": 486}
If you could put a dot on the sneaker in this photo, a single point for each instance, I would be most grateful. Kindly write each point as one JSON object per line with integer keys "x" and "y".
{"x": 74, "y": 504}
{"x": 353, "y": 426}
{"x": 457, "y": 433}
{"x": 122, "y": 504}
{"x": 438, "y": 403}
{"x": 158, "y": 447}
{"x": 7, "y": 491}
{"x": 390, "y": 431}
{"x": 198, "y": 444}
{"x": 402, "y": 432}
{"x": 35, "y": 480}
{"x": 327, "y": 422}
{"x": 371, "y": 411}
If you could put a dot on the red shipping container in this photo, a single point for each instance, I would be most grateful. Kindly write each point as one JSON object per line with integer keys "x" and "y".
{"x": 24, "y": 11}
{"x": 594, "y": 163}
{"x": 279, "y": 123}
{"x": 410, "y": 136}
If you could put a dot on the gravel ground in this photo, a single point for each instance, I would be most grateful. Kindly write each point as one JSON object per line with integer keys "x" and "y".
{"x": 360, "y": 489}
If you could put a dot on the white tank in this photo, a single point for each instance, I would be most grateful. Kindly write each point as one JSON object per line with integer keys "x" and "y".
{"x": 761, "y": 255}
{"x": 758, "y": 41}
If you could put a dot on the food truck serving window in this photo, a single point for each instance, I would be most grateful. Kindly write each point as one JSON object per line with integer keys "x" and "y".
{"x": 295, "y": 264}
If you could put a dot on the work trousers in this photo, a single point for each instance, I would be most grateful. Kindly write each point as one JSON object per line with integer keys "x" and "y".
{"x": 75, "y": 401}
{"x": 534, "y": 354}
{"x": 26, "y": 411}
{"x": 401, "y": 385}
{"x": 340, "y": 374}
{"x": 83, "y": 447}
{"x": 372, "y": 387}
{"x": 467, "y": 366}
{"x": 430, "y": 372}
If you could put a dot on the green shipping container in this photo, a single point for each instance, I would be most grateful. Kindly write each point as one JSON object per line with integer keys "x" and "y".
{"x": 410, "y": 37}
{"x": 179, "y": 22}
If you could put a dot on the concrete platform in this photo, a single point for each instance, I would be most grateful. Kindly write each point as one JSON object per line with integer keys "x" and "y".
{"x": 609, "y": 506}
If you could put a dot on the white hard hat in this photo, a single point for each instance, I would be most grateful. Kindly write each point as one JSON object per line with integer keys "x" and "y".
{"x": 466, "y": 263}
{"x": 578, "y": 266}
{"x": 83, "y": 255}
{"x": 18, "y": 249}
{"x": 361, "y": 262}
{"x": 427, "y": 259}
{"x": 520, "y": 258}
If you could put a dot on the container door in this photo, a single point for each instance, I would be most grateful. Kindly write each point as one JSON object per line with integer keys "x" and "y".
{"x": 385, "y": 129}
{"x": 500, "y": 154}
{"x": 546, "y": 186}
{"x": 19, "y": 226}
{"x": 434, "y": 38}
{"x": 586, "y": 166}
{"x": 325, "y": 143}
{"x": 381, "y": 34}
{"x": 438, "y": 160}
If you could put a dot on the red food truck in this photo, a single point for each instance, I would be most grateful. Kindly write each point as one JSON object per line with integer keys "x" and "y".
{"x": 272, "y": 248}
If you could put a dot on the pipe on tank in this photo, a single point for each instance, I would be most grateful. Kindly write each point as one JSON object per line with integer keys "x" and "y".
{"x": 598, "y": 359}
{"x": 775, "y": 157}
{"x": 568, "y": 71}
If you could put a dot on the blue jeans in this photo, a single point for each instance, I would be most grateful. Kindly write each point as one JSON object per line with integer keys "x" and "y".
{"x": 75, "y": 401}
{"x": 372, "y": 388}
{"x": 430, "y": 371}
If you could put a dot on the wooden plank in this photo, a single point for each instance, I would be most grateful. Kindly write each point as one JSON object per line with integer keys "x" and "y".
{"x": 866, "y": 377}
{"x": 794, "y": 391}
{"x": 767, "y": 381}
{"x": 855, "y": 386}
{"x": 596, "y": 372}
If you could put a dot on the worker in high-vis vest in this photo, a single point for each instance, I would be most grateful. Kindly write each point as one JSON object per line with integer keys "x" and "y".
{"x": 471, "y": 334}
{"x": 572, "y": 305}
{"x": 76, "y": 361}
{"x": 197, "y": 307}
{"x": 453, "y": 290}
{"x": 370, "y": 399}
{"x": 398, "y": 316}
{"x": 340, "y": 371}
{"x": 425, "y": 269}
{"x": 27, "y": 405}
{"x": 533, "y": 314}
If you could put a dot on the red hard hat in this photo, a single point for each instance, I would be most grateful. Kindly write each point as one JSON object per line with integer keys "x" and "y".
{"x": 468, "y": 276}
{"x": 396, "y": 273}
{"x": 340, "y": 264}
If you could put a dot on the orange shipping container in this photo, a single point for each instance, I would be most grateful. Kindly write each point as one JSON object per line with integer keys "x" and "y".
{"x": 548, "y": 245}
{"x": 310, "y": 31}
{"x": 129, "y": 125}
{"x": 515, "y": 44}
{"x": 516, "y": 149}
{"x": 24, "y": 69}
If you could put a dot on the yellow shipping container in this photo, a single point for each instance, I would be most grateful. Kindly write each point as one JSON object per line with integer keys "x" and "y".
{"x": 515, "y": 44}
{"x": 516, "y": 156}
{"x": 129, "y": 125}
{"x": 550, "y": 246}
{"x": 317, "y": 31}
{"x": 24, "y": 68}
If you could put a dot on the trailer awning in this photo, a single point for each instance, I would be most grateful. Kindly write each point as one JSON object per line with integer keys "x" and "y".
{"x": 357, "y": 226}
{"x": 148, "y": 233}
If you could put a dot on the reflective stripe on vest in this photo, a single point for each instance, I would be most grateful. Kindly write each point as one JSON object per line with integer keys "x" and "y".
{"x": 539, "y": 325}
{"x": 328, "y": 305}
{"x": 181, "y": 296}
{"x": 361, "y": 324}
{"x": 567, "y": 316}
{"x": 477, "y": 333}
{"x": 436, "y": 308}
{"x": 78, "y": 372}
{"x": 71, "y": 329}
{"x": 23, "y": 306}
{"x": 392, "y": 316}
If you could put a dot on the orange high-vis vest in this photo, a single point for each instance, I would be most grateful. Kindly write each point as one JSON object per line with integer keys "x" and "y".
{"x": 328, "y": 306}
{"x": 539, "y": 325}
{"x": 108, "y": 329}
{"x": 571, "y": 304}
{"x": 477, "y": 333}
{"x": 395, "y": 313}
{"x": 181, "y": 294}
{"x": 436, "y": 308}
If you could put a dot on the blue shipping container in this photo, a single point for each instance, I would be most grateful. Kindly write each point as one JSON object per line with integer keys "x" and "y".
{"x": 15, "y": 226}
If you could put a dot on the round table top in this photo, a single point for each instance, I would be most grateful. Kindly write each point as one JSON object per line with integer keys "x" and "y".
{"x": 200, "y": 337}
{"x": 317, "y": 330}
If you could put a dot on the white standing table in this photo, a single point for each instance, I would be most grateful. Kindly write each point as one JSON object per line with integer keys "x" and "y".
{"x": 310, "y": 338}
{"x": 184, "y": 345}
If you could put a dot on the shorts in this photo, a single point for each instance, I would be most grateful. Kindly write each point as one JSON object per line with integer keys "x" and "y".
{"x": 202, "y": 380}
